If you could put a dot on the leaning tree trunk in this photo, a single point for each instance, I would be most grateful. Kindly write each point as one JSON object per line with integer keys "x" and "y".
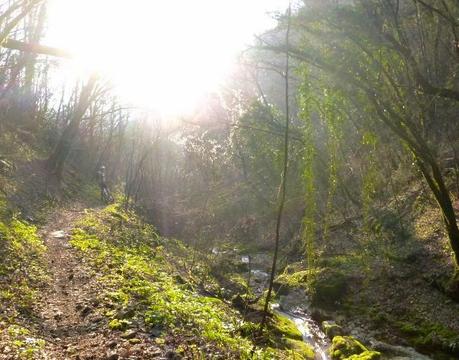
{"x": 436, "y": 183}
{"x": 60, "y": 153}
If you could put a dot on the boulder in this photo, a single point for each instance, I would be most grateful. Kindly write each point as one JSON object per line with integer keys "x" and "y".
{"x": 348, "y": 348}
{"x": 331, "y": 329}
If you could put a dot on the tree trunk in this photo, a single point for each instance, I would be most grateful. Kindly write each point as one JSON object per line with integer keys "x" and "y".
{"x": 283, "y": 184}
{"x": 437, "y": 185}
{"x": 60, "y": 153}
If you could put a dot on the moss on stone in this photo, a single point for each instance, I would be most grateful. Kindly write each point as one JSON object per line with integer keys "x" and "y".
{"x": 366, "y": 355}
{"x": 347, "y": 347}
{"x": 286, "y": 328}
{"x": 331, "y": 329}
{"x": 329, "y": 286}
{"x": 301, "y": 350}
{"x": 430, "y": 336}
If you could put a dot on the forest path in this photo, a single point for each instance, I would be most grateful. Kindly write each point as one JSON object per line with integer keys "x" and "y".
{"x": 69, "y": 308}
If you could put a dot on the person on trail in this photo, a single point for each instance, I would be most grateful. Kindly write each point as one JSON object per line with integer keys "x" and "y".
{"x": 104, "y": 192}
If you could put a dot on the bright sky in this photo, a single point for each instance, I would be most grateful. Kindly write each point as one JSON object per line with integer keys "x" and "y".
{"x": 161, "y": 54}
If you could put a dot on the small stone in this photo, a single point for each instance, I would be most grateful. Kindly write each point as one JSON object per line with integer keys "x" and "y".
{"x": 129, "y": 334}
{"x": 112, "y": 344}
{"x": 58, "y": 316}
{"x": 59, "y": 234}
{"x": 155, "y": 332}
{"x": 86, "y": 310}
{"x": 156, "y": 352}
{"x": 97, "y": 319}
{"x": 172, "y": 355}
{"x": 135, "y": 341}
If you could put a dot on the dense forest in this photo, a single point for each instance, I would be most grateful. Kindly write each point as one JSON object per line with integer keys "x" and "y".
{"x": 305, "y": 209}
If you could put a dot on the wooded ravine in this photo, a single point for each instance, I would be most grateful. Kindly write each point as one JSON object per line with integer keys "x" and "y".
{"x": 305, "y": 209}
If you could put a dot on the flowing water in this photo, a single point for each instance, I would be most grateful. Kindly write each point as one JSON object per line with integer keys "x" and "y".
{"x": 311, "y": 332}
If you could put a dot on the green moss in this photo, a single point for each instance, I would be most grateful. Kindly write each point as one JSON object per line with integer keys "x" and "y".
{"x": 141, "y": 271}
{"x": 329, "y": 287}
{"x": 286, "y": 328}
{"x": 300, "y": 349}
{"x": 20, "y": 248}
{"x": 347, "y": 347}
{"x": 285, "y": 335}
{"x": 331, "y": 329}
{"x": 127, "y": 251}
{"x": 366, "y": 355}
{"x": 297, "y": 279}
{"x": 117, "y": 324}
{"x": 429, "y": 335}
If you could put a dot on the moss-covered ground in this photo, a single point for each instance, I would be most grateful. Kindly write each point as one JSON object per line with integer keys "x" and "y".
{"x": 22, "y": 272}
{"x": 144, "y": 288}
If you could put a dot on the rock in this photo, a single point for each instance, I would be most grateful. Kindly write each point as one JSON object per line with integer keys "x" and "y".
{"x": 296, "y": 299}
{"x": 330, "y": 287}
{"x": 331, "y": 329}
{"x": 135, "y": 341}
{"x": 347, "y": 348}
{"x": 58, "y": 316}
{"x": 59, "y": 234}
{"x": 172, "y": 355}
{"x": 112, "y": 344}
{"x": 113, "y": 356}
{"x": 97, "y": 319}
{"x": 86, "y": 310}
{"x": 320, "y": 315}
{"x": 129, "y": 334}
{"x": 238, "y": 302}
{"x": 156, "y": 332}
{"x": 126, "y": 313}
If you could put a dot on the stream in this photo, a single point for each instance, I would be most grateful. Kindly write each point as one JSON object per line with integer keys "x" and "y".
{"x": 298, "y": 311}
{"x": 312, "y": 334}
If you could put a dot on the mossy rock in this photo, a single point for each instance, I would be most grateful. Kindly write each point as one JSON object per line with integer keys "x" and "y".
{"x": 366, "y": 355}
{"x": 431, "y": 336}
{"x": 301, "y": 349}
{"x": 288, "y": 337}
{"x": 331, "y": 329}
{"x": 117, "y": 324}
{"x": 286, "y": 328}
{"x": 347, "y": 347}
{"x": 330, "y": 286}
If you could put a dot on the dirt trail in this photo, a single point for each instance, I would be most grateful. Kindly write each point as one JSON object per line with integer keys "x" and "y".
{"x": 70, "y": 309}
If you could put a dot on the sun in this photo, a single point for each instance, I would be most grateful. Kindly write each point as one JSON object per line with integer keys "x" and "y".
{"x": 163, "y": 55}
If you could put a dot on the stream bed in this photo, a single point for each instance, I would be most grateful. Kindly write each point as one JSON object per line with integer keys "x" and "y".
{"x": 312, "y": 334}
{"x": 295, "y": 307}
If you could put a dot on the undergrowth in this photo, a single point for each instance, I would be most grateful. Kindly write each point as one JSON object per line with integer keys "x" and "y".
{"x": 22, "y": 271}
{"x": 144, "y": 289}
